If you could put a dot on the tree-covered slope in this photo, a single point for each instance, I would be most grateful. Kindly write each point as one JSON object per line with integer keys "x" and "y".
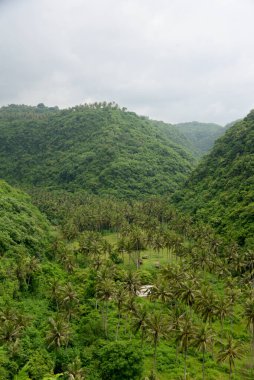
{"x": 201, "y": 135}
{"x": 221, "y": 189}
{"x": 22, "y": 227}
{"x": 100, "y": 148}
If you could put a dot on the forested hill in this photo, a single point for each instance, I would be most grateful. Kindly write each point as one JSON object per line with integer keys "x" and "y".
{"x": 221, "y": 189}
{"x": 23, "y": 229}
{"x": 100, "y": 148}
{"x": 201, "y": 135}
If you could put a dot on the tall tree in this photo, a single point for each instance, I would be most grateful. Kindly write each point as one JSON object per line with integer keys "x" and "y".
{"x": 230, "y": 351}
{"x": 202, "y": 339}
{"x": 58, "y": 334}
{"x": 184, "y": 336}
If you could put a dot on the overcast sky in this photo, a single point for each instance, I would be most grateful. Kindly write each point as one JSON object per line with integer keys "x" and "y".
{"x": 172, "y": 60}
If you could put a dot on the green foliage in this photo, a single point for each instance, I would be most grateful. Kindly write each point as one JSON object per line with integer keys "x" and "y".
{"x": 201, "y": 135}
{"x": 120, "y": 360}
{"x": 83, "y": 310}
{"x": 99, "y": 148}
{"x": 40, "y": 363}
{"x": 21, "y": 224}
{"x": 221, "y": 190}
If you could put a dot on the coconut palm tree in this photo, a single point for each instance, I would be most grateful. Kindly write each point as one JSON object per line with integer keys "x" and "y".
{"x": 132, "y": 282}
{"x": 119, "y": 296}
{"x": 203, "y": 338}
{"x": 230, "y": 351}
{"x": 160, "y": 291}
{"x": 105, "y": 290}
{"x": 137, "y": 241}
{"x": 75, "y": 370}
{"x": 58, "y": 334}
{"x": 157, "y": 327}
{"x": 158, "y": 242}
{"x": 173, "y": 273}
{"x": 206, "y": 304}
{"x": 54, "y": 292}
{"x": 175, "y": 319}
{"x": 32, "y": 266}
{"x": 184, "y": 336}
{"x": 223, "y": 309}
{"x": 249, "y": 315}
{"x": 12, "y": 324}
{"x": 201, "y": 260}
{"x": 186, "y": 291}
{"x": 69, "y": 299}
{"x": 139, "y": 320}
{"x": 10, "y": 331}
{"x": 232, "y": 294}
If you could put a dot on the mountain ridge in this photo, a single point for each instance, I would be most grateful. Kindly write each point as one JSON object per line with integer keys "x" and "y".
{"x": 220, "y": 190}
{"x": 93, "y": 147}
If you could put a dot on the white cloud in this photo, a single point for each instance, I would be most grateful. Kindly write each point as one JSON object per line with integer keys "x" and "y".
{"x": 173, "y": 60}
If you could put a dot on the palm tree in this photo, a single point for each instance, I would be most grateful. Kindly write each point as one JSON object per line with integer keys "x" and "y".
{"x": 119, "y": 297}
{"x": 105, "y": 290}
{"x": 223, "y": 310}
{"x": 232, "y": 293}
{"x": 206, "y": 304}
{"x": 75, "y": 370}
{"x": 32, "y": 266}
{"x": 54, "y": 292}
{"x": 230, "y": 351}
{"x": 139, "y": 320}
{"x": 123, "y": 247}
{"x": 69, "y": 299}
{"x": 201, "y": 259}
{"x": 132, "y": 282}
{"x": 184, "y": 335}
{"x": 249, "y": 261}
{"x": 175, "y": 320}
{"x": 58, "y": 334}
{"x": 12, "y": 324}
{"x": 202, "y": 339}
{"x": 137, "y": 241}
{"x": 156, "y": 328}
{"x": 130, "y": 305}
{"x": 249, "y": 315}
{"x": 186, "y": 291}
{"x": 160, "y": 291}
{"x": 10, "y": 331}
{"x": 8, "y": 313}
{"x": 158, "y": 242}
{"x": 173, "y": 273}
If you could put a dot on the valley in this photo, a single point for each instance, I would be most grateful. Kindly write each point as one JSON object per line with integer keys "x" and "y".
{"x": 98, "y": 204}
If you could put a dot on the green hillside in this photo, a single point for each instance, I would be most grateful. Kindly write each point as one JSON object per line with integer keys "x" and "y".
{"x": 99, "y": 148}
{"x": 201, "y": 135}
{"x": 76, "y": 307}
{"x": 22, "y": 226}
{"x": 81, "y": 313}
{"x": 221, "y": 189}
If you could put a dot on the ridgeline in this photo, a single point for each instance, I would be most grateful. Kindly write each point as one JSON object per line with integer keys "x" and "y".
{"x": 99, "y": 148}
{"x": 221, "y": 189}
{"x": 201, "y": 135}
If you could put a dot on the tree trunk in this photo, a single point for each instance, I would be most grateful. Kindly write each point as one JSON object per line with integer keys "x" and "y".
{"x": 177, "y": 352}
{"x": 155, "y": 356}
{"x": 106, "y": 320}
{"x": 203, "y": 364}
{"x": 118, "y": 325}
{"x": 142, "y": 337}
{"x": 185, "y": 364}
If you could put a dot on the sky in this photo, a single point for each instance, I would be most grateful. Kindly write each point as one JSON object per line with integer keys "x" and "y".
{"x": 171, "y": 60}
